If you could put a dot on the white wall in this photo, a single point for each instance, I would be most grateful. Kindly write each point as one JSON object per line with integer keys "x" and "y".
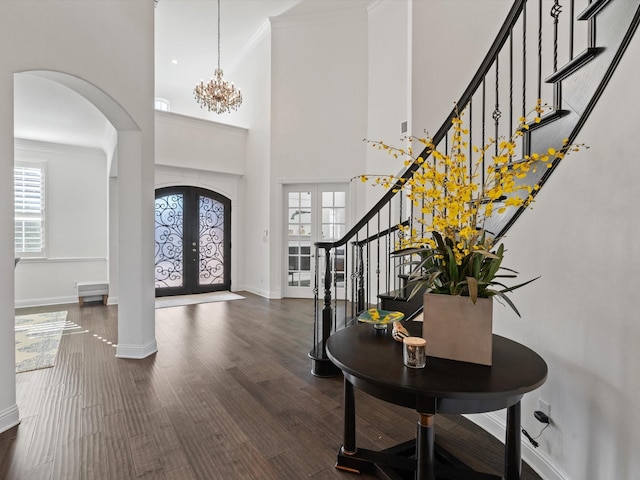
{"x": 319, "y": 95}
{"x": 75, "y": 223}
{"x": 254, "y": 74}
{"x": 194, "y": 143}
{"x": 388, "y": 85}
{"x": 450, "y": 39}
{"x": 388, "y": 92}
{"x": 319, "y": 102}
{"x": 206, "y": 154}
{"x": 582, "y": 315}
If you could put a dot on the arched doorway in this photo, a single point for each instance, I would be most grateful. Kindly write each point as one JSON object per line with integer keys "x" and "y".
{"x": 130, "y": 185}
{"x": 192, "y": 241}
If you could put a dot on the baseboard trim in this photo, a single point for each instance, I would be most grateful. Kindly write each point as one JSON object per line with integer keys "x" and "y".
{"x": 537, "y": 459}
{"x": 37, "y": 302}
{"x": 9, "y": 418}
{"x": 137, "y": 352}
{"x": 263, "y": 293}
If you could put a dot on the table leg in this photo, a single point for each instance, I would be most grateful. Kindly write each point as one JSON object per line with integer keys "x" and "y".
{"x": 513, "y": 443}
{"x": 424, "y": 447}
{"x": 349, "y": 440}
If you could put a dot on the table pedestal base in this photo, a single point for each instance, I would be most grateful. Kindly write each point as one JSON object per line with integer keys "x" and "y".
{"x": 399, "y": 463}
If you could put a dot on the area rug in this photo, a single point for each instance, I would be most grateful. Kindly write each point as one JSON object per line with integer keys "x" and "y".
{"x": 37, "y": 340}
{"x": 164, "y": 302}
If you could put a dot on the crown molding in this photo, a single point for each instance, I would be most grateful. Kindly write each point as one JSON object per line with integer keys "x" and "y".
{"x": 376, "y": 4}
{"x": 262, "y": 33}
{"x": 29, "y": 145}
{"x": 202, "y": 123}
{"x": 191, "y": 173}
{"x": 349, "y": 14}
{"x": 283, "y": 21}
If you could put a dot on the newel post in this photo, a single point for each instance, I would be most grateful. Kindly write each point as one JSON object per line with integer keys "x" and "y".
{"x": 321, "y": 365}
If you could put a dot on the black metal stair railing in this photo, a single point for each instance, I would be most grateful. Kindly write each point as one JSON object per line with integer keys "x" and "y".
{"x": 360, "y": 267}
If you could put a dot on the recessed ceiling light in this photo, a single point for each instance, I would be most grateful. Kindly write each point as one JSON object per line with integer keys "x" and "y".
{"x": 174, "y": 61}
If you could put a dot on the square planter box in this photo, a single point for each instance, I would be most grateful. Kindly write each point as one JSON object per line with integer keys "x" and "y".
{"x": 457, "y": 329}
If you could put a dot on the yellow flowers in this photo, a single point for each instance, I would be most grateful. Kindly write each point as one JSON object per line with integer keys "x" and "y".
{"x": 455, "y": 194}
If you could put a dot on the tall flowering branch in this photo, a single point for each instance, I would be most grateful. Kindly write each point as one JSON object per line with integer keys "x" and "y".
{"x": 454, "y": 199}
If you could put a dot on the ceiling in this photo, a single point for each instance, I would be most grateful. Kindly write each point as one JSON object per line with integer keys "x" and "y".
{"x": 186, "y": 33}
{"x": 186, "y": 41}
{"x": 185, "y": 30}
{"x": 47, "y": 111}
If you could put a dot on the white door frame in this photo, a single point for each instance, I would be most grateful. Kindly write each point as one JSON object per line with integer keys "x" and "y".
{"x": 304, "y": 226}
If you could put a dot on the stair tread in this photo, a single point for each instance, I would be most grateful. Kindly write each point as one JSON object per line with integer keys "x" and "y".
{"x": 593, "y": 8}
{"x": 574, "y": 65}
{"x": 394, "y": 295}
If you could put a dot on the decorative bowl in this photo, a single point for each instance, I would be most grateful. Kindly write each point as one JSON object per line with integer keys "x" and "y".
{"x": 379, "y": 318}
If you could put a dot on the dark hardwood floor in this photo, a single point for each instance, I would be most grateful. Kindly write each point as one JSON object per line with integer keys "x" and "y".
{"x": 229, "y": 395}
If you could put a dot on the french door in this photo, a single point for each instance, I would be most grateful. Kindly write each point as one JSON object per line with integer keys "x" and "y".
{"x": 313, "y": 213}
{"x": 192, "y": 241}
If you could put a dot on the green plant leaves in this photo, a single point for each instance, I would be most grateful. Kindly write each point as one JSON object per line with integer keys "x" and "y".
{"x": 477, "y": 274}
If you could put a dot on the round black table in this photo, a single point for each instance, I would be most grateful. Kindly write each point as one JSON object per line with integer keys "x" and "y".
{"x": 372, "y": 362}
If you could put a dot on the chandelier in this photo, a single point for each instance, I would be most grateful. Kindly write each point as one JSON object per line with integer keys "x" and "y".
{"x": 218, "y": 95}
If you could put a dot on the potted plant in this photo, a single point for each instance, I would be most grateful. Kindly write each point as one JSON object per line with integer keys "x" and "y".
{"x": 458, "y": 261}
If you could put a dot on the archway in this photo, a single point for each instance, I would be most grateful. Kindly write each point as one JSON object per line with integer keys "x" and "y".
{"x": 130, "y": 220}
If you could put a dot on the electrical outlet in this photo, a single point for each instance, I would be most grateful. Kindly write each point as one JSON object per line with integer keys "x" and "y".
{"x": 544, "y": 407}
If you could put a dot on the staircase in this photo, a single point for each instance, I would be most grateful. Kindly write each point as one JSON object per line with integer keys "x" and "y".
{"x": 534, "y": 56}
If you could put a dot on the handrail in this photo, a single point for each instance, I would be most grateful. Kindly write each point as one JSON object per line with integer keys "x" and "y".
{"x": 494, "y": 50}
{"x": 382, "y": 233}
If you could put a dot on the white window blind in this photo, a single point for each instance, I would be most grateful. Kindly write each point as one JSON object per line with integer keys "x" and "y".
{"x": 29, "y": 210}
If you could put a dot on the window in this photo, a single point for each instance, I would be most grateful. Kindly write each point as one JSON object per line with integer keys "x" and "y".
{"x": 162, "y": 104}
{"x": 29, "y": 209}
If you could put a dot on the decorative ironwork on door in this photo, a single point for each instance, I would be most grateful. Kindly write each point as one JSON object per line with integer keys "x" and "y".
{"x": 211, "y": 241}
{"x": 192, "y": 241}
{"x": 169, "y": 245}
